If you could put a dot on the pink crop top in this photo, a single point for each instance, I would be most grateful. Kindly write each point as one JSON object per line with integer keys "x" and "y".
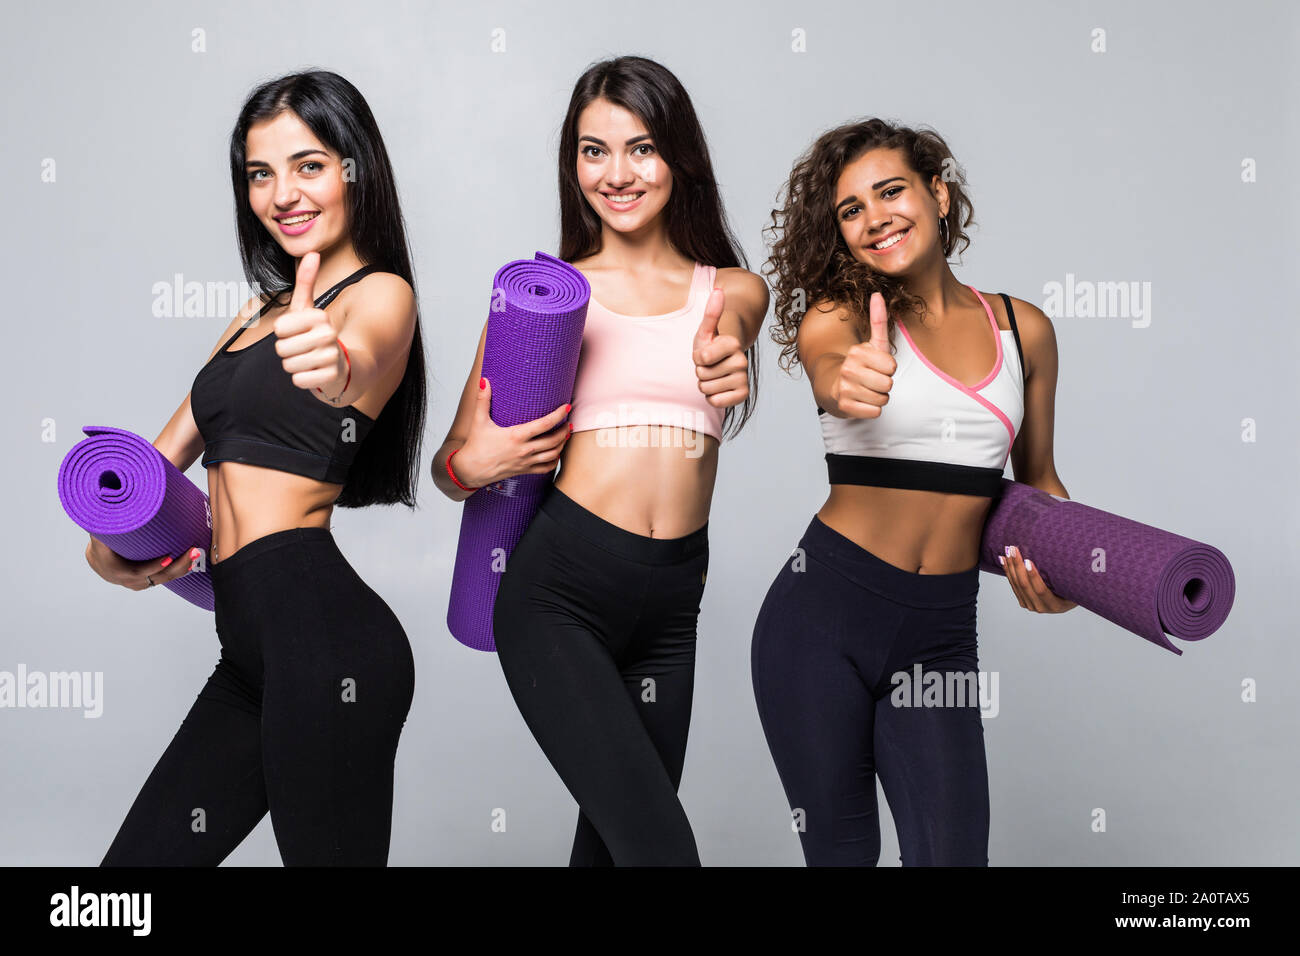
{"x": 638, "y": 370}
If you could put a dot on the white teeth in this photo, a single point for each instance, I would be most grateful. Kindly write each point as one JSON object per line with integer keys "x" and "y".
{"x": 294, "y": 220}
{"x": 626, "y": 198}
{"x": 892, "y": 240}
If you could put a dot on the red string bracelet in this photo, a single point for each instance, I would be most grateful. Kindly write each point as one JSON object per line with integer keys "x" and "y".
{"x": 348, "y": 382}
{"x": 452, "y": 474}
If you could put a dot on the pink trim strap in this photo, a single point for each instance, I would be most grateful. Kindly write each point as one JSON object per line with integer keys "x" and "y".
{"x": 972, "y": 391}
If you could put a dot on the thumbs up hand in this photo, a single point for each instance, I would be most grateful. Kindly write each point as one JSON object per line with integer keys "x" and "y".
{"x": 720, "y": 362}
{"x": 866, "y": 375}
{"x": 308, "y": 344}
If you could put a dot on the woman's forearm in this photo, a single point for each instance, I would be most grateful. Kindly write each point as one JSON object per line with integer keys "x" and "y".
{"x": 441, "y": 479}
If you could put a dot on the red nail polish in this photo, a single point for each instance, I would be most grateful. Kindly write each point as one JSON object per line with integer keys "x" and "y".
{"x": 482, "y": 383}
{"x": 166, "y": 561}
{"x": 194, "y": 554}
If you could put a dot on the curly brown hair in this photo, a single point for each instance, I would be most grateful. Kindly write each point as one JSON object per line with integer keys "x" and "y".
{"x": 810, "y": 262}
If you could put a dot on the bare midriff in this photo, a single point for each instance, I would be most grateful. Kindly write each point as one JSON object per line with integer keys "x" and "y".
{"x": 249, "y": 502}
{"x": 652, "y": 480}
{"x": 924, "y": 532}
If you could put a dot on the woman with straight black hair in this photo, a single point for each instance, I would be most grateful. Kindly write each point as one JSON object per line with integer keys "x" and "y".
{"x": 320, "y": 408}
{"x": 595, "y": 618}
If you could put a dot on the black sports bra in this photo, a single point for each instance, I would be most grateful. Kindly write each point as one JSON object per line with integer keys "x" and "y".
{"x": 248, "y": 410}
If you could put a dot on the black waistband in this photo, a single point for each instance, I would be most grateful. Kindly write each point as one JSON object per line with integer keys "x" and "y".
{"x": 226, "y": 567}
{"x": 865, "y": 569}
{"x": 296, "y": 461}
{"x": 912, "y": 473}
{"x": 627, "y": 544}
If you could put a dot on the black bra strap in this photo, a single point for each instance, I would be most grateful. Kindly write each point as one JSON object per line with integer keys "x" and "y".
{"x": 1011, "y": 319}
{"x": 326, "y": 297}
{"x": 322, "y": 300}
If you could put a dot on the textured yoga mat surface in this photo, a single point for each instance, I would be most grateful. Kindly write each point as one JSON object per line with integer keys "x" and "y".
{"x": 121, "y": 490}
{"x": 1146, "y": 580}
{"x": 530, "y": 356}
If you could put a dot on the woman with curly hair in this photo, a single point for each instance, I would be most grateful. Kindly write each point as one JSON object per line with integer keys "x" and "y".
{"x": 918, "y": 426}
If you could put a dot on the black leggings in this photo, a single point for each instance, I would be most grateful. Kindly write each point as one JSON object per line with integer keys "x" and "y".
{"x": 836, "y": 632}
{"x": 301, "y": 716}
{"x": 595, "y": 631}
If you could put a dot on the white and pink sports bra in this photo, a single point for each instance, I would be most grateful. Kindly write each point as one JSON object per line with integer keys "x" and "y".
{"x": 935, "y": 433}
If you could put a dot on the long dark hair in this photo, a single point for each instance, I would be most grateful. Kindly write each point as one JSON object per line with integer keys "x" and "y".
{"x": 694, "y": 218}
{"x": 386, "y": 468}
{"x": 810, "y": 260}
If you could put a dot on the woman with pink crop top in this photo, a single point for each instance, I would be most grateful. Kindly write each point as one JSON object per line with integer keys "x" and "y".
{"x": 864, "y": 656}
{"x": 596, "y": 613}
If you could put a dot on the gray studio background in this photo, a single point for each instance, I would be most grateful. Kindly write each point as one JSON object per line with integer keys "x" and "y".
{"x": 1115, "y": 166}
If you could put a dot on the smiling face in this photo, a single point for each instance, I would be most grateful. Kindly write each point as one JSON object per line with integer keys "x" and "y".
{"x": 879, "y": 198}
{"x": 620, "y": 171}
{"x": 295, "y": 185}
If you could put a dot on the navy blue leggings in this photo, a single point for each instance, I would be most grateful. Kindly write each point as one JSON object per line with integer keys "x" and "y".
{"x": 836, "y": 632}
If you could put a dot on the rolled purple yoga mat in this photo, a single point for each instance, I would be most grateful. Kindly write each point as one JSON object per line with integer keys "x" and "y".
{"x": 530, "y": 355}
{"x": 120, "y": 488}
{"x": 1146, "y": 580}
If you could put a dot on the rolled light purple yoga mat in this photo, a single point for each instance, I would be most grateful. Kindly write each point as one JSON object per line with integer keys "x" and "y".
{"x": 1154, "y": 581}
{"x": 120, "y": 488}
{"x": 530, "y": 355}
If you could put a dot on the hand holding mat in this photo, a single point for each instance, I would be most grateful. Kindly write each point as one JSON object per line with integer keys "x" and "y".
{"x": 125, "y": 493}
{"x": 1146, "y": 580}
{"x": 530, "y": 355}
